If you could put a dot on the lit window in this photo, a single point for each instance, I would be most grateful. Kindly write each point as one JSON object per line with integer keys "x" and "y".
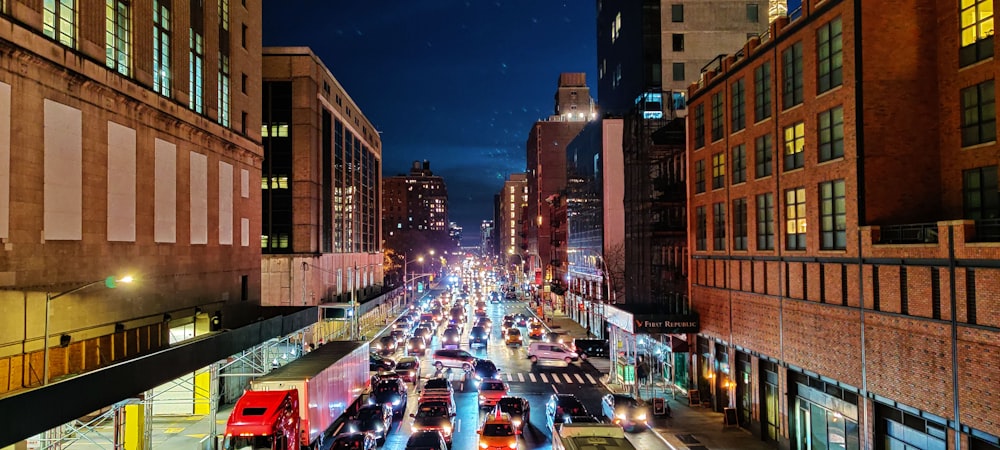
{"x": 59, "y": 21}
{"x": 116, "y": 36}
{"x": 795, "y": 145}
{"x": 795, "y": 219}
{"x": 161, "y": 47}
{"x": 718, "y": 170}
{"x": 223, "y": 89}
{"x": 196, "y": 70}
{"x": 976, "y": 18}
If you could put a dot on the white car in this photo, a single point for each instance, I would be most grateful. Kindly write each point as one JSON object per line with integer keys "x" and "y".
{"x": 551, "y": 351}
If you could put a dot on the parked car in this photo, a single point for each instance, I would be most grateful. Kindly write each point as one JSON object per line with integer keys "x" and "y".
{"x": 539, "y": 351}
{"x": 378, "y": 362}
{"x": 518, "y": 409}
{"x": 392, "y": 393}
{"x": 358, "y": 440}
{"x": 426, "y": 440}
{"x": 561, "y": 406}
{"x": 591, "y": 347}
{"x": 456, "y": 359}
{"x": 625, "y": 410}
{"x": 408, "y": 369}
{"x": 375, "y": 419}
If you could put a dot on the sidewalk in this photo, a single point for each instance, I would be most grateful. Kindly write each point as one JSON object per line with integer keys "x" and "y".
{"x": 689, "y": 427}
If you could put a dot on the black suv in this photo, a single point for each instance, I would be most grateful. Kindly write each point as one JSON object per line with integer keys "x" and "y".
{"x": 591, "y": 347}
{"x": 483, "y": 369}
{"x": 391, "y": 392}
{"x": 562, "y": 406}
{"x": 519, "y": 410}
{"x": 479, "y": 336}
{"x": 378, "y": 362}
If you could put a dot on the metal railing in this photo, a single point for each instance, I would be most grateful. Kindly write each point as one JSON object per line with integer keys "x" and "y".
{"x": 987, "y": 230}
{"x": 914, "y": 233}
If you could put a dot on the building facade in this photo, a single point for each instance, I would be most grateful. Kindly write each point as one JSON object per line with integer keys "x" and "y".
{"x": 417, "y": 201}
{"x": 514, "y": 200}
{"x": 546, "y": 173}
{"x": 873, "y": 327}
{"x": 320, "y": 183}
{"x": 126, "y": 148}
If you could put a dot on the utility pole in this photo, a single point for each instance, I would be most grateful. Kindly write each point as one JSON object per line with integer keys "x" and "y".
{"x": 355, "y": 333}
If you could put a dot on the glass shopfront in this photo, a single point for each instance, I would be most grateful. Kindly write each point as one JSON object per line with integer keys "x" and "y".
{"x": 900, "y": 430}
{"x": 772, "y": 397}
{"x": 825, "y": 416}
{"x": 744, "y": 397}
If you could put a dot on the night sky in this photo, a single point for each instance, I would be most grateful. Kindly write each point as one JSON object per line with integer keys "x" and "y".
{"x": 458, "y": 83}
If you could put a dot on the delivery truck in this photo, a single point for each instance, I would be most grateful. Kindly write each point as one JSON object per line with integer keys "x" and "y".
{"x": 578, "y": 436}
{"x": 294, "y": 406}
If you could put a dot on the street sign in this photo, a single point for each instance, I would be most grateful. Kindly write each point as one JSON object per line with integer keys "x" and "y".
{"x": 666, "y": 323}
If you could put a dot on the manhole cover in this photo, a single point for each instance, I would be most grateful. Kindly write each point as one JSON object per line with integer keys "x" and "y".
{"x": 687, "y": 438}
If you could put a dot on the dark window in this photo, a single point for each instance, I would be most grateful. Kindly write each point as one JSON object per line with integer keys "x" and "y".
{"x": 970, "y": 295}
{"x": 753, "y": 13}
{"x": 243, "y": 83}
{"x": 717, "y": 113}
{"x": 701, "y": 231}
{"x": 981, "y": 200}
{"x": 739, "y": 164}
{"x": 904, "y": 300}
{"x": 718, "y": 170}
{"x": 830, "y": 56}
{"x": 795, "y": 146}
{"x": 740, "y": 224}
{"x": 243, "y": 36}
{"x": 678, "y": 71}
{"x": 795, "y": 219}
{"x": 719, "y": 226}
{"x": 764, "y": 155}
{"x": 738, "y": 101}
{"x": 762, "y": 92}
{"x": 326, "y": 192}
{"x": 699, "y": 126}
{"x": 976, "y": 31}
{"x": 831, "y": 134}
{"x": 243, "y": 122}
{"x": 833, "y": 215}
{"x": 677, "y": 13}
{"x": 765, "y": 221}
{"x": 791, "y": 87}
{"x": 979, "y": 122}
{"x": 678, "y": 42}
{"x": 699, "y": 176}
{"x": 244, "y": 288}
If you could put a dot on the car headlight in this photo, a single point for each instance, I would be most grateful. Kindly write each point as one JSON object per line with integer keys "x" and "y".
{"x": 620, "y": 416}
{"x": 513, "y": 444}
{"x": 378, "y": 427}
{"x": 516, "y": 423}
{"x": 483, "y": 445}
{"x": 482, "y": 397}
{"x": 446, "y": 430}
{"x": 378, "y": 346}
{"x": 395, "y": 402}
{"x": 415, "y": 428}
{"x": 641, "y": 416}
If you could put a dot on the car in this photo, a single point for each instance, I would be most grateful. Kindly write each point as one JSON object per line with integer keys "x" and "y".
{"x": 536, "y": 333}
{"x": 518, "y": 409}
{"x": 486, "y": 323}
{"x": 400, "y": 335}
{"x": 424, "y": 332}
{"x": 451, "y": 338}
{"x": 375, "y": 419}
{"x": 510, "y": 295}
{"x": 408, "y": 369}
{"x": 520, "y": 319}
{"x": 480, "y": 313}
{"x": 491, "y": 390}
{"x": 358, "y": 440}
{"x": 557, "y": 337}
{"x": 392, "y": 393}
{"x": 416, "y": 345}
{"x": 513, "y": 338}
{"x": 402, "y": 323}
{"x": 426, "y": 440}
{"x": 433, "y": 415}
{"x": 507, "y": 325}
{"x": 386, "y": 345}
{"x": 498, "y": 433}
{"x": 625, "y": 410}
{"x": 495, "y": 299}
{"x": 439, "y": 384}
{"x": 377, "y": 362}
{"x": 561, "y": 406}
{"x": 453, "y": 359}
{"x": 547, "y": 351}
{"x": 483, "y": 369}
{"x": 479, "y": 336}
{"x": 591, "y": 347}
{"x": 384, "y": 375}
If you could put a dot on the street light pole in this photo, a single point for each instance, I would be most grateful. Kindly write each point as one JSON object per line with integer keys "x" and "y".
{"x": 110, "y": 282}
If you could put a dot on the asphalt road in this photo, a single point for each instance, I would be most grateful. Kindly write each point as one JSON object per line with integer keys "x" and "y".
{"x": 536, "y": 383}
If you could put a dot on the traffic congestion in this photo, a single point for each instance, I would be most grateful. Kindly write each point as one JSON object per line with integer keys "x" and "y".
{"x": 470, "y": 365}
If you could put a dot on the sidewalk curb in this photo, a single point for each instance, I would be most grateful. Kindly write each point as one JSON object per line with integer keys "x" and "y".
{"x": 651, "y": 429}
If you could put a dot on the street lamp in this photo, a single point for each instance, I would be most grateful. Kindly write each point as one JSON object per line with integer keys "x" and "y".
{"x": 419, "y": 259}
{"x": 109, "y": 282}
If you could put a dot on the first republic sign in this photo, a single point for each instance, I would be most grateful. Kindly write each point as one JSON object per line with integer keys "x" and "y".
{"x": 666, "y": 324}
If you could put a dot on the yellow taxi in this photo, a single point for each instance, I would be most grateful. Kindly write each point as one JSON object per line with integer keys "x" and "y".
{"x": 513, "y": 337}
{"x": 536, "y": 331}
{"x": 497, "y": 432}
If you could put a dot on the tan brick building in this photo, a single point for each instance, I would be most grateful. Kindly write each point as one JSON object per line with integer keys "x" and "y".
{"x": 321, "y": 180}
{"x": 124, "y": 149}
{"x": 843, "y": 213}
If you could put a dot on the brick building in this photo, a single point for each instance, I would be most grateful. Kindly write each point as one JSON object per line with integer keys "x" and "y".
{"x": 514, "y": 202}
{"x": 321, "y": 213}
{"x": 416, "y": 201}
{"x": 877, "y": 326}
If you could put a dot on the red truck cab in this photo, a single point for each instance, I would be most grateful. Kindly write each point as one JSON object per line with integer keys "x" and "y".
{"x": 264, "y": 420}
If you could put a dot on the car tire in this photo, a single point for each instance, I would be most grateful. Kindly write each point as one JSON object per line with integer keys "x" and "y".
{"x": 533, "y": 359}
{"x": 583, "y": 356}
{"x": 568, "y": 360}
{"x": 439, "y": 365}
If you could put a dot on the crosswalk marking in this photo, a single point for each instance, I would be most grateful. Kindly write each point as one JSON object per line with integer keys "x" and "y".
{"x": 592, "y": 380}
{"x": 510, "y": 378}
{"x": 532, "y": 376}
{"x": 568, "y": 379}
{"x": 578, "y": 377}
{"x": 520, "y": 377}
{"x": 544, "y": 379}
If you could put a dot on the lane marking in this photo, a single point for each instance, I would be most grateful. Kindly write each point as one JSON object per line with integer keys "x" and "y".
{"x": 568, "y": 379}
{"x": 510, "y": 378}
{"x": 592, "y": 380}
{"x": 532, "y": 376}
{"x": 520, "y": 377}
{"x": 544, "y": 378}
{"x": 458, "y": 426}
{"x": 579, "y": 378}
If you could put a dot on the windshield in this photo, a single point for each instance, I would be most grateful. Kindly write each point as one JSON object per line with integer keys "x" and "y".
{"x": 247, "y": 443}
{"x": 492, "y": 386}
{"x": 432, "y": 410}
{"x": 514, "y": 332}
{"x": 498, "y": 429}
{"x": 406, "y": 365}
{"x": 511, "y": 407}
{"x": 478, "y": 331}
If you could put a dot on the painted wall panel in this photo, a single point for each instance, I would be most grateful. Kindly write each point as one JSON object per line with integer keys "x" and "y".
{"x": 165, "y": 193}
{"x": 225, "y": 203}
{"x": 63, "y": 186}
{"x": 245, "y": 232}
{"x": 244, "y": 183}
{"x": 121, "y": 183}
{"x": 199, "y": 198}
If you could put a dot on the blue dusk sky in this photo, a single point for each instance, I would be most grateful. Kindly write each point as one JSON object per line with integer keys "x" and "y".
{"x": 455, "y": 82}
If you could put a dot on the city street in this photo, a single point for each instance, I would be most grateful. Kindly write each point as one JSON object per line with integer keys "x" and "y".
{"x": 536, "y": 383}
